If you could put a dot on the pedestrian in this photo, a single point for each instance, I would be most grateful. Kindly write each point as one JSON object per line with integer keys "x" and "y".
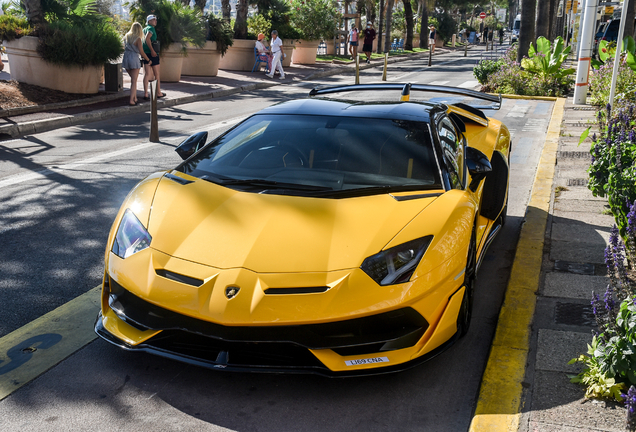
{"x": 353, "y": 42}
{"x": 263, "y": 51}
{"x": 133, "y": 48}
{"x": 151, "y": 49}
{"x": 369, "y": 37}
{"x": 277, "y": 51}
{"x": 486, "y": 35}
{"x": 501, "y": 35}
{"x": 431, "y": 38}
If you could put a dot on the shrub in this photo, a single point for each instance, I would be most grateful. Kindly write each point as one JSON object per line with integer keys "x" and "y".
{"x": 91, "y": 43}
{"x": 446, "y": 25}
{"x": 221, "y": 32}
{"x": 485, "y": 68}
{"x": 13, "y": 27}
{"x": 259, "y": 24}
{"x": 612, "y": 171}
{"x": 315, "y": 19}
{"x": 601, "y": 79}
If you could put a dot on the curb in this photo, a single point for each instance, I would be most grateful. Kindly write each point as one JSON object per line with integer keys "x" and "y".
{"x": 499, "y": 402}
{"x": 38, "y": 126}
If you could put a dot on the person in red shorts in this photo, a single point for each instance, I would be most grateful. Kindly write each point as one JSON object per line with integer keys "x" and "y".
{"x": 369, "y": 36}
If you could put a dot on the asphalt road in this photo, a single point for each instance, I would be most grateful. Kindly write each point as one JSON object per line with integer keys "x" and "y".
{"x": 59, "y": 193}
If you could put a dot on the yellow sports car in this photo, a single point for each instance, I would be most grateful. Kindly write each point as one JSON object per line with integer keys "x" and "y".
{"x": 319, "y": 235}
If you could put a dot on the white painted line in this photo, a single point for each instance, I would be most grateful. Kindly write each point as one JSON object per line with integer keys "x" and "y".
{"x": 469, "y": 84}
{"x": 438, "y": 82}
{"x": 21, "y": 178}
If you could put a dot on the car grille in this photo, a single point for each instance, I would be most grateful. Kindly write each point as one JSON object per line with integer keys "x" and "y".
{"x": 387, "y": 331}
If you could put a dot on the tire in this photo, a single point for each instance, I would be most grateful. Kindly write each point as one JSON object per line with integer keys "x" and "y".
{"x": 466, "y": 308}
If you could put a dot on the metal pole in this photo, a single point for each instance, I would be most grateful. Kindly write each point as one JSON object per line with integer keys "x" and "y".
{"x": 466, "y": 48}
{"x": 583, "y": 69}
{"x": 154, "y": 123}
{"x": 580, "y": 35}
{"x": 357, "y": 69}
{"x": 386, "y": 64}
{"x": 617, "y": 59}
{"x": 430, "y": 56}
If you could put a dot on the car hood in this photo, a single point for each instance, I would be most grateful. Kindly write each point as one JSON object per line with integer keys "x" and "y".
{"x": 217, "y": 226}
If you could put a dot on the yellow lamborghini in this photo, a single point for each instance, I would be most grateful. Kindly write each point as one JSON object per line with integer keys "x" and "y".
{"x": 320, "y": 235}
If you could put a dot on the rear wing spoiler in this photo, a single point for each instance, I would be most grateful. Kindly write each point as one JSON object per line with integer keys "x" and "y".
{"x": 407, "y": 88}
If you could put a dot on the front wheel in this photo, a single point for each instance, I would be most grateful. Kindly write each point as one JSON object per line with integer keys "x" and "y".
{"x": 466, "y": 308}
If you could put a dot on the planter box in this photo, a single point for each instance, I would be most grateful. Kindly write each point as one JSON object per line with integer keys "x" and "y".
{"x": 28, "y": 67}
{"x": 202, "y": 61}
{"x": 171, "y": 61}
{"x": 239, "y": 57}
{"x": 288, "y": 48}
{"x": 305, "y": 52}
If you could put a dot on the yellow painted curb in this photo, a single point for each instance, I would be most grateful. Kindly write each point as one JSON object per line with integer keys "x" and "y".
{"x": 514, "y": 96}
{"x": 33, "y": 349}
{"x": 499, "y": 402}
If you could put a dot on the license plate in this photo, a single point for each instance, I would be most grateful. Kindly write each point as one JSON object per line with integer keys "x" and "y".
{"x": 359, "y": 362}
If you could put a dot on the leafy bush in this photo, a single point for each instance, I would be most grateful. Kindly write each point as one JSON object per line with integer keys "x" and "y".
{"x": 221, "y": 32}
{"x": 13, "y": 27}
{"x": 91, "y": 43}
{"x": 315, "y": 19}
{"x": 485, "y": 68}
{"x": 446, "y": 25}
{"x": 547, "y": 59}
{"x": 612, "y": 171}
{"x": 259, "y": 24}
{"x": 278, "y": 13}
{"x": 601, "y": 79}
{"x": 176, "y": 23}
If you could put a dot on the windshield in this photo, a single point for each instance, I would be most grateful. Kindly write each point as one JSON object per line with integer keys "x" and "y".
{"x": 516, "y": 25}
{"x": 320, "y": 155}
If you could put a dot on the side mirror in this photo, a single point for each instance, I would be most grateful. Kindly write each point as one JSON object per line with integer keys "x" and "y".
{"x": 478, "y": 166}
{"x": 191, "y": 144}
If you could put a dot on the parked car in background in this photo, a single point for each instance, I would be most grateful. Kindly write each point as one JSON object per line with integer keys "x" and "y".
{"x": 515, "y": 29}
{"x": 600, "y": 30}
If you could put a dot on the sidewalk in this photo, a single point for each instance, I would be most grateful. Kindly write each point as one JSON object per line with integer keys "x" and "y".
{"x": 18, "y": 122}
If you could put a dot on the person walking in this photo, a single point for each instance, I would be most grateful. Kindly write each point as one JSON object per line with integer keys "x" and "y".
{"x": 263, "y": 51}
{"x": 353, "y": 42}
{"x": 367, "y": 45}
{"x": 276, "y": 47}
{"x": 151, "y": 49}
{"x": 431, "y": 38}
{"x": 133, "y": 48}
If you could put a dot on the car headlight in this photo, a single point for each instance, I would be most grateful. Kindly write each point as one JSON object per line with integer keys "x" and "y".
{"x": 396, "y": 265}
{"x": 131, "y": 236}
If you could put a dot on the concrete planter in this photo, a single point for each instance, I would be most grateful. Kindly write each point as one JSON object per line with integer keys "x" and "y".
{"x": 239, "y": 57}
{"x": 171, "y": 61}
{"x": 28, "y": 67}
{"x": 202, "y": 61}
{"x": 288, "y": 48}
{"x": 305, "y": 52}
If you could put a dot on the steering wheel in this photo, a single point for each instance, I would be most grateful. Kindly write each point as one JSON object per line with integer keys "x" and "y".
{"x": 292, "y": 156}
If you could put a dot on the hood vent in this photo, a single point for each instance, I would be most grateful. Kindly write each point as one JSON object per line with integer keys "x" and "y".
{"x": 302, "y": 290}
{"x": 179, "y": 277}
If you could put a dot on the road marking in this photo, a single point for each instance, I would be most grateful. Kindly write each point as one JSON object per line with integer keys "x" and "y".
{"x": 534, "y": 125}
{"x": 21, "y": 178}
{"x": 499, "y": 401}
{"x": 518, "y": 111}
{"x": 469, "y": 84}
{"x": 30, "y": 351}
{"x": 438, "y": 82}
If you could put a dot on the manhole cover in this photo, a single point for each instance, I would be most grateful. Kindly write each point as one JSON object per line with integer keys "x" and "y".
{"x": 577, "y": 182}
{"x": 574, "y": 314}
{"x": 574, "y": 154}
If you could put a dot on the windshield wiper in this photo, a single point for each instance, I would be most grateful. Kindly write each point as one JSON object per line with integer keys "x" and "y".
{"x": 376, "y": 190}
{"x": 271, "y": 184}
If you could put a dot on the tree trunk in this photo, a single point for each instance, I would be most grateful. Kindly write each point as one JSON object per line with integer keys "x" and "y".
{"x": 240, "y": 25}
{"x": 408, "y": 16}
{"x": 200, "y": 4}
{"x": 227, "y": 10}
{"x": 629, "y": 19}
{"x": 526, "y": 31}
{"x": 543, "y": 20}
{"x": 552, "y": 21}
{"x": 34, "y": 13}
{"x": 380, "y": 27}
{"x": 424, "y": 26}
{"x": 389, "y": 15}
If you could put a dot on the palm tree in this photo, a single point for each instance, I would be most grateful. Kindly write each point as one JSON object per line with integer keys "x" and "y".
{"x": 424, "y": 25}
{"x": 200, "y": 4}
{"x": 629, "y": 19}
{"x": 227, "y": 10}
{"x": 408, "y": 16}
{"x": 33, "y": 10}
{"x": 543, "y": 21}
{"x": 526, "y": 30}
{"x": 389, "y": 15}
{"x": 240, "y": 25}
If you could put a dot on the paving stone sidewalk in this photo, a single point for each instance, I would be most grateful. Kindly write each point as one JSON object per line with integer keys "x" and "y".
{"x": 573, "y": 267}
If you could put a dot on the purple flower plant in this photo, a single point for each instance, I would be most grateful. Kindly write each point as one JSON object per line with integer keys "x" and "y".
{"x": 630, "y": 404}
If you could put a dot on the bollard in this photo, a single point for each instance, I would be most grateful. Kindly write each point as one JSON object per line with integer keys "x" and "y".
{"x": 154, "y": 123}
{"x": 466, "y": 49}
{"x": 430, "y": 56}
{"x": 386, "y": 64}
{"x": 357, "y": 69}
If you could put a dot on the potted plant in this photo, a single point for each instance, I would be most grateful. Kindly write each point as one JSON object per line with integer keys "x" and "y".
{"x": 66, "y": 52}
{"x": 178, "y": 27}
{"x": 205, "y": 61}
{"x": 315, "y": 19}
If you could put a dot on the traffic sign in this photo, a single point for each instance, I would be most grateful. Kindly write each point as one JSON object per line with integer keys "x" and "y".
{"x": 482, "y": 15}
